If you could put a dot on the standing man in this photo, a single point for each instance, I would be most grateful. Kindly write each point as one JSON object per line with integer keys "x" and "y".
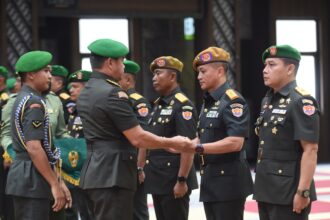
{"x": 223, "y": 125}
{"x": 111, "y": 130}
{"x": 141, "y": 108}
{"x": 76, "y": 154}
{"x": 170, "y": 177}
{"x": 58, "y": 86}
{"x": 31, "y": 178}
{"x": 288, "y": 129}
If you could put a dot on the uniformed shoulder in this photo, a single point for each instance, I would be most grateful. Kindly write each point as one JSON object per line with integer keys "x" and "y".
{"x": 13, "y": 95}
{"x": 181, "y": 97}
{"x": 64, "y": 96}
{"x": 4, "y": 96}
{"x": 111, "y": 82}
{"x": 51, "y": 93}
{"x": 118, "y": 92}
{"x": 136, "y": 96}
{"x": 302, "y": 91}
{"x": 232, "y": 94}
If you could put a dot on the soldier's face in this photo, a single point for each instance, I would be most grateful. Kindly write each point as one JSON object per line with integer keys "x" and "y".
{"x": 42, "y": 78}
{"x": 162, "y": 80}
{"x": 275, "y": 73}
{"x": 75, "y": 90}
{"x": 124, "y": 81}
{"x": 208, "y": 77}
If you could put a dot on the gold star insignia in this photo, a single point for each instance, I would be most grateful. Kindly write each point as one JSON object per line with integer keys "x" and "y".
{"x": 288, "y": 100}
{"x": 274, "y": 130}
{"x": 282, "y": 100}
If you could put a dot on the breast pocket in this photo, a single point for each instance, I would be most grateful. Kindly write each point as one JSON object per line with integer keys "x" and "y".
{"x": 213, "y": 129}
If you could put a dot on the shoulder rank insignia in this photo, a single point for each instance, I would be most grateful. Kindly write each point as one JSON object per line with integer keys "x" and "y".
{"x": 135, "y": 96}
{"x": 182, "y": 98}
{"x": 113, "y": 82}
{"x": 122, "y": 94}
{"x": 232, "y": 94}
{"x": 36, "y": 123}
{"x": 302, "y": 91}
{"x": 4, "y": 96}
{"x": 64, "y": 96}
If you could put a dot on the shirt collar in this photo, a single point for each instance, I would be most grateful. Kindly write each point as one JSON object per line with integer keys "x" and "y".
{"x": 218, "y": 93}
{"x": 100, "y": 75}
{"x": 285, "y": 90}
{"x": 168, "y": 98}
{"x": 28, "y": 89}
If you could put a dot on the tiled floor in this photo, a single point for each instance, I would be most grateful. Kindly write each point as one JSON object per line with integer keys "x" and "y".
{"x": 320, "y": 208}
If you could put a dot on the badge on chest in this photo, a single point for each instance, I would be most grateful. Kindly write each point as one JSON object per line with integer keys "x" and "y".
{"x": 212, "y": 114}
{"x": 166, "y": 111}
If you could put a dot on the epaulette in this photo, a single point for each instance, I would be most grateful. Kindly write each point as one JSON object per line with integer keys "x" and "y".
{"x": 182, "y": 98}
{"x": 4, "y": 96}
{"x": 232, "y": 94}
{"x": 135, "y": 96}
{"x": 302, "y": 91}
{"x": 64, "y": 96}
{"x": 113, "y": 82}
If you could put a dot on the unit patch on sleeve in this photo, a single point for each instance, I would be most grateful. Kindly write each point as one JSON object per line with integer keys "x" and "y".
{"x": 143, "y": 111}
{"x": 187, "y": 115}
{"x": 309, "y": 109}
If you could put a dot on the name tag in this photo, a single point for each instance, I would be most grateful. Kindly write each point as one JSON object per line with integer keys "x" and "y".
{"x": 279, "y": 111}
{"x": 212, "y": 114}
{"x": 166, "y": 112}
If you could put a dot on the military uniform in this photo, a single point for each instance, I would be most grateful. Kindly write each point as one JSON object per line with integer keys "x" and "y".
{"x": 172, "y": 115}
{"x": 224, "y": 113}
{"x": 141, "y": 108}
{"x": 109, "y": 172}
{"x": 286, "y": 117}
{"x": 24, "y": 182}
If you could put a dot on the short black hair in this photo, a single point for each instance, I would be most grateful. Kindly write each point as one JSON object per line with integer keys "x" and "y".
{"x": 97, "y": 61}
{"x": 288, "y": 61}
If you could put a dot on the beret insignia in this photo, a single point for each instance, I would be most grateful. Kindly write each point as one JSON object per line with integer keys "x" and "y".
{"x": 205, "y": 57}
{"x": 161, "y": 62}
{"x": 272, "y": 51}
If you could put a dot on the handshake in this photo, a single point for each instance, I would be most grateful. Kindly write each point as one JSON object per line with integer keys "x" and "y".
{"x": 182, "y": 144}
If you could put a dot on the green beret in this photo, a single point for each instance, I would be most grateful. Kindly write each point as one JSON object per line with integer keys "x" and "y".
{"x": 281, "y": 51}
{"x": 33, "y": 61}
{"x": 80, "y": 76}
{"x": 131, "y": 67}
{"x": 3, "y": 71}
{"x": 10, "y": 83}
{"x": 166, "y": 62}
{"x": 108, "y": 48}
{"x": 58, "y": 70}
{"x": 211, "y": 55}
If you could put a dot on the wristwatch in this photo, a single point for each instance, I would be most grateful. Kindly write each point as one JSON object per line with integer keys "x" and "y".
{"x": 199, "y": 148}
{"x": 182, "y": 179}
{"x": 303, "y": 193}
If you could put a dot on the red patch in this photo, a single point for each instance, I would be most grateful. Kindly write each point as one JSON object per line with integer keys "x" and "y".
{"x": 309, "y": 110}
{"x": 187, "y": 115}
{"x": 205, "y": 57}
{"x": 237, "y": 112}
{"x": 160, "y": 62}
{"x": 143, "y": 112}
{"x": 273, "y": 51}
{"x": 35, "y": 105}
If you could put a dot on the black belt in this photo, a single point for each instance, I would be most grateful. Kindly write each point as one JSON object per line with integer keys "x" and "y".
{"x": 278, "y": 154}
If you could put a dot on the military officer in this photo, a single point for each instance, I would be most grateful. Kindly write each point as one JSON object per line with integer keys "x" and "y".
{"x": 170, "y": 177}
{"x": 111, "y": 130}
{"x": 288, "y": 129}
{"x": 223, "y": 125}
{"x": 77, "y": 82}
{"x": 58, "y": 86}
{"x": 31, "y": 178}
{"x": 141, "y": 108}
